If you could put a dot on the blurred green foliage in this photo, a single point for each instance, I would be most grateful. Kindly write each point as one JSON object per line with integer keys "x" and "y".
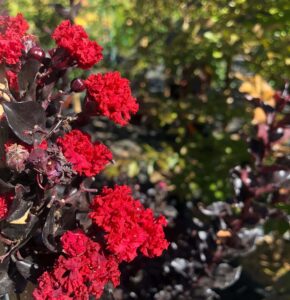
{"x": 182, "y": 57}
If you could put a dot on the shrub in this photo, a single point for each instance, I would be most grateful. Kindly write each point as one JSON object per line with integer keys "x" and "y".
{"x": 56, "y": 229}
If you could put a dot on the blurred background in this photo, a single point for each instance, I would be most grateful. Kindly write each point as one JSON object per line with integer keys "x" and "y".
{"x": 188, "y": 62}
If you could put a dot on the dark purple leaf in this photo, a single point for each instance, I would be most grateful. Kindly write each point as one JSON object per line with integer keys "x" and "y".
{"x": 83, "y": 220}
{"x": 20, "y": 231}
{"x": 47, "y": 90}
{"x": 23, "y": 117}
{"x": 27, "y": 74}
{"x": 246, "y": 242}
{"x": 27, "y": 268}
{"x": 6, "y": 284}
{"x": 18, "y": 209}
{"x": 68, "y": 218}
{"x": 48, "y": 230}
{"x": 4, "y": 130}
{"x": 225, "y": 275}
{"x": 20, "y": 282}
{"x": 31, "y": 93}
{"x": 5, "y": 187}
{"x": 257, "y": 148}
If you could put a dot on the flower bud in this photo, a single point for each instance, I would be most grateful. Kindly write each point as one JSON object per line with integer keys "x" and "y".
{"x": 59, "y": 59}
{"x": 77, "y": 85}
{"x": 37, "y": 53}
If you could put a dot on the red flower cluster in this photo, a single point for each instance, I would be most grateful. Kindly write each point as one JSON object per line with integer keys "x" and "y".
{"x": 112, "y": 96}
{"x": 128, "y": 225}
{"x": 76, "y": 42}
{"x": 5, "y": 201}
{"x": 12, "y": 30}
{"x": 86, "y": 158}
{"x": 81, "y": 274}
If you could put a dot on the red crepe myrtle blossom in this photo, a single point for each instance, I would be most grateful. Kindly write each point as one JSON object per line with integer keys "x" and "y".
{"x": 81, "y": 274}
{"x": 3, "y": 207}
{"x": 74, "y": 243}
{"x": 77, "y": 44}
{"x": 5, "y": 201}
{"x": 43, "y": 145}
{"x": 12, "y": 30}
{"x": 128, "y": 225}
{"x": 87, "y": 158}
{"x": 12, "y": 80}
{"x": 111, "y": 96}
{"x": 13, "y": 26}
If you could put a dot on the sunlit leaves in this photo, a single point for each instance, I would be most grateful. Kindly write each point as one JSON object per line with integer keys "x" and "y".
{"x": 257, "y": 87}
